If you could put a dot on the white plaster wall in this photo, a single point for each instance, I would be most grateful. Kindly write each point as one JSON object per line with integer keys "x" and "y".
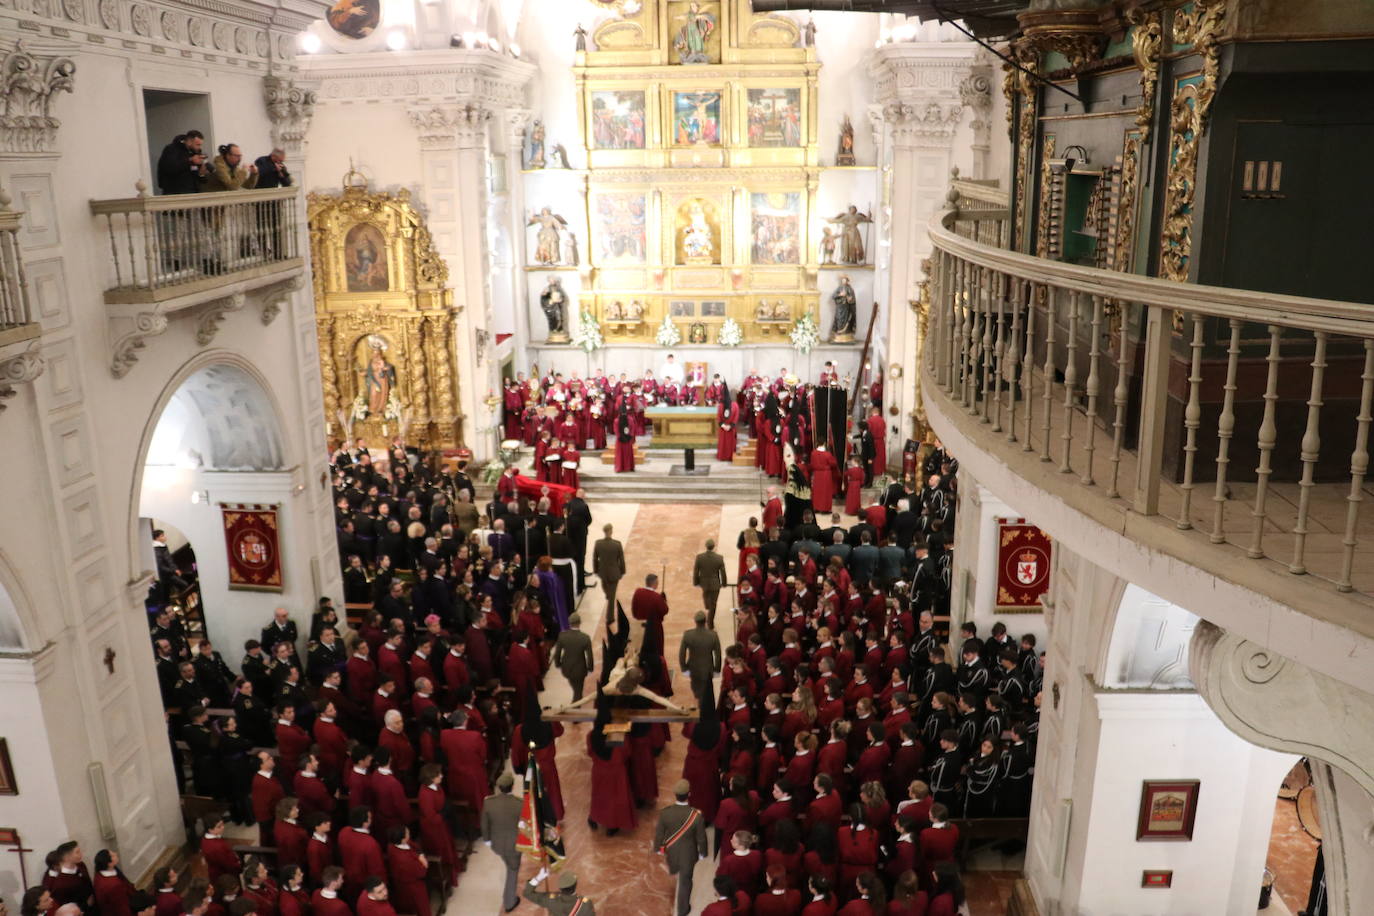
{"x": 377, "y": 139}
{"x": 232, "y": 617}
{"x": 76, "y": 564}
{"x": 1167, "y": 736}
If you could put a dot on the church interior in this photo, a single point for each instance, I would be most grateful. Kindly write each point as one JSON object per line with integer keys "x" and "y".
{"x": 720, "y": 457}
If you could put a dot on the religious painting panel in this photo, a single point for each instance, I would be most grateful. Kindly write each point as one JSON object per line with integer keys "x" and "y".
{"x": 696, "y": 118}
{"x": 365, "y": 259}
{"x": 682, "y": 308}
{"x": 354, "y": 18}
{"x": 621, "y": 227}
{"x": 775, "y": 227}
{"x": 617, "y": 120}
{"x": 774, "y": 117}
{"x": 696, "y": 230}
{"x": 1023, "y": 566}
{"x": 1167, "y": 810}
{"x": 694, "y": 28}
{"x": 713, "y": 308}
{"x": 252, "y": 541}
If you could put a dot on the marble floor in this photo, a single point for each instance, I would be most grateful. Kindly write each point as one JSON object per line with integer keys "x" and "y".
{"x": 1292, "y": 851}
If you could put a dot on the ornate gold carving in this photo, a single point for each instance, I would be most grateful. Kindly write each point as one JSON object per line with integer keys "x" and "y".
{"x": 1043, "y": 237}
{"x": 1027, "y": 92}
{"x": 1076, "y": 34}
{"x": 1187, "y": 123}
{"x": 382, "y": 312}
{"x": 1146, "y": 41}
{"x": 1124, "y": 243}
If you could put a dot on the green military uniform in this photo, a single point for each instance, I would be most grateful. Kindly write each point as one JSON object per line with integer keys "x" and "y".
{"x": 563, "y": 903}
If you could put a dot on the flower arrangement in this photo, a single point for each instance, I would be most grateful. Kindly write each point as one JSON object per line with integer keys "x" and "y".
{"x": 668, "y": 335}
{"x": 588, "y": 336}
{"x": 730, "y": 334}
{"x": 805, "y": 335}
{"x": 359, "y": 408}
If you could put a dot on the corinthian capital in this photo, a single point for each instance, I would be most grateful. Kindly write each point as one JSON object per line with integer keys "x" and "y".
{"x": 289, "y": 107}
{"x": 29, "y": 84}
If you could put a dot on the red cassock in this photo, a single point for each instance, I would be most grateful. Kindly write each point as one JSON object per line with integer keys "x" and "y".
{"x": 293, "y": 903}
{"x": 643, "y": 767}
{"x": 772, "y": 513}
{"x": 220, "y": 859}
{"x": 361, "y": 677}
{"x": 858, "y": 908}
{"x": 466, "y": 753}
{"x": 858, "y": 853}
{"x": 112, "y": 893}
{"x": 318, "y": 857}
{"x": 291, "y": 840}
{"x": 313, "y": 794}
{"x": 360, "y": 857}
{"x": 369, "y": 907}
{"x": 402, "y": 751}
{"x": 522, "y": 673}
{"x": 853, "y": 485}
{"x": 879, "y": 431}
{"x": 331, "y": 746}
{"x": 612, "y": 803}
{"x": 825, "y": 478}
{"x": 572, "y": 459}
{"x": 650, "y": 607}
{"x": 746, "y": 869}
{"x": 434, "y": 831}
{"x": 778, "y": 903}
{"x": 727, "y": 416}
{"x": 408, "y": 890}
{"x": 264, "y": 898}
{"x": 701, "y": 769}
{"x": 624, "y": 446}
{"x": 321, "y": 905}
{"x": 168, "y": 903}
{"x": 266, "y": 793}
{"x": 938, "y": 844}
{"x": 390, "y": 807}
{"x": 390, "y": 664}
{"x": 292, "y": 742}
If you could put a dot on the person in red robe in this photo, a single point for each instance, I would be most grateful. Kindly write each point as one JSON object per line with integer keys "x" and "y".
{"x": 325, "y": 901}
{"x": 390, "y": 806}
{"x": 292, "y": 898}
{"x": 650, "y": 605}
{"x": 220, "y": 858}
{"x": 266, "y": 791}
{"x": 292, "y": 742}
{"x": 702, "y": 766}
{"x": 505, "y": 484}
{"x": 321, "y": 851}
{"x": 878, "y": 430}
{"x": 825, "y": 479}
{"x": 612, "y": 803}
{"x": 853, "y": 486}
{"x": 374, "y": 900}
{"x": 435, "y": 835}
{"x": 113, "y": 891}
{"x": 359, "y": 852}
{"x": 572, "y": 459}
{"x": 772, "y": 510}
{"x": 466, "y": 753}
{"x": 408, "y": 868}
{"x": 727, "y": 416}
{"x": 624, "y": 442}
{"x": 512, "y": 405}
{"x": 290, "y": 836}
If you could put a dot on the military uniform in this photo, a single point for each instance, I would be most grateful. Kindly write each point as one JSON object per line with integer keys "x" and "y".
{"x": 681, "y": 837}
{"x": 708, "y": 574}
{"x": 564, "y": 903}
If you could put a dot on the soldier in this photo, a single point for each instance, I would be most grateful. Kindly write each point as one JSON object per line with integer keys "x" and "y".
{"x": 572, "y": 655}
{"x": 699, "y": 655}
{"x": 708, "y": 574}
{"x": 500, "y": 828}
{"x": 680, "y": 838}
{"x": 565, "y": 902}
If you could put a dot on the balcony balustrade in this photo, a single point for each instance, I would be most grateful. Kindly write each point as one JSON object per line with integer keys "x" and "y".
{"x": 163, "y": 248}
{"x": 1060, "y": 367}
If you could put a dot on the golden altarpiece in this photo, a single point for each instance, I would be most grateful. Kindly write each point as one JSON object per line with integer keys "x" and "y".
{"x": 385, "y": 318}
{"x": 699, "y": 121}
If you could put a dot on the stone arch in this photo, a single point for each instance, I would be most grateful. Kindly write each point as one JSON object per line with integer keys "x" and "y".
{"x": 226, "y": 395}
{"x": 17, "y": 630}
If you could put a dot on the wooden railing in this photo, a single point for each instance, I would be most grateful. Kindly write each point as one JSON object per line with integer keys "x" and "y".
{"x": 981, "y": 211}
{"x": 1074, "y": 363}
{"x": 164, "y": 247}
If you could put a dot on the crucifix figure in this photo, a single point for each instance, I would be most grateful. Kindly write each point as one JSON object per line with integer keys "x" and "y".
{"x": 109, "y": 659}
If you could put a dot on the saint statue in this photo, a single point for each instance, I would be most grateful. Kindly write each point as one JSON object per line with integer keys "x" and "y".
{"x": 636, "y": 311}
{"x": 580, "y": 37}
{"x": 379, "y": 378}
{"x": 764, "y": 312}
{"x": 547, "y": 241}
{"x": 845, "y": 154}
{"x": 551, "y": 301}
{"x": 851, "y": 241}
{"x": 690, "y": 42}
{"x": 615, "y": 311}
{"x": 842, "y": 330}
{"x": 696, "y": 235}
{"x": 537, "y": 145}
{"x": 828, "y": 240}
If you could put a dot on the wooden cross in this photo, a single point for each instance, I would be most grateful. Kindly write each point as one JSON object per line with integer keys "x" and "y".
{"x": 110, "y": 659}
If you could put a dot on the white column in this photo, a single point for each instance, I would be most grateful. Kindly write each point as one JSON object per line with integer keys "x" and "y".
{"x": 471, "y": 286}
{"x": 516, "y": 120}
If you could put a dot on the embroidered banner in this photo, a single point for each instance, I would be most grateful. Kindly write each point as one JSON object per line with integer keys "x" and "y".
{"x": 250, "y": 534}
{"x": 1023, "y": 566}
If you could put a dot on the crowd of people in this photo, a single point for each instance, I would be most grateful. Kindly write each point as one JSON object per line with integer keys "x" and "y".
{"x": 185, "y": 168}
{"x": 847, "y": 740}
{"x": 560, "y": 416}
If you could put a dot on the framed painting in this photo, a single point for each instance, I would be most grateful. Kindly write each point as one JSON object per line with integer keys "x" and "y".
{"x": 354, "y": 18}
{"x": 1157, "y": 877}
{"x": 696, "y": 118}
{"x": 775, "y": 228}
{"x": 1167, "y": 810}
{"x": 617, "y": 120}
{"x": 621, "y": 227}
{"x": 774, "y": 117}
{"x": 8, "y": 785}
{"x": 713, "y": 308}
{"x": 365, "y": 259}
{"x": 682, "y": 308}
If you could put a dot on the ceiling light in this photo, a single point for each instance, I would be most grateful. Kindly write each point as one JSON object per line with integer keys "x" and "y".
{"x": 396, "y": 40}
{"x": 494, "y": 45}
{"x": 469, "y": 39}
{"x": 514, "y": 49}
{"x": 309, "y": 42}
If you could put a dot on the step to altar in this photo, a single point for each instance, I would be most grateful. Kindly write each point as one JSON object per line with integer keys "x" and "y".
{"x": 608, "y": 456}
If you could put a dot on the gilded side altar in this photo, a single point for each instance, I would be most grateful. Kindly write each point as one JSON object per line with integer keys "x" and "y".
{"x": 384, "y": 318}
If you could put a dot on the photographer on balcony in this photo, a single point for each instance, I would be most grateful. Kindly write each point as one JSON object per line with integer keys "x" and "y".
{"x": 272, "y": 173}
{"x": 228, "y": 173}
{"x": 181, "y": 168}
{"x": 238, "y": 235}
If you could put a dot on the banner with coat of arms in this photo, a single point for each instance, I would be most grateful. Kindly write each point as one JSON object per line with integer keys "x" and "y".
{"x": 1023, "y": 566}
{"x": 251, "y": 536}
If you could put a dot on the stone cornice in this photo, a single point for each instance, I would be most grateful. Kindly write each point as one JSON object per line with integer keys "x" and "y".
{"x": 920, "y": 68}
{"x": 475, "y": 77}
